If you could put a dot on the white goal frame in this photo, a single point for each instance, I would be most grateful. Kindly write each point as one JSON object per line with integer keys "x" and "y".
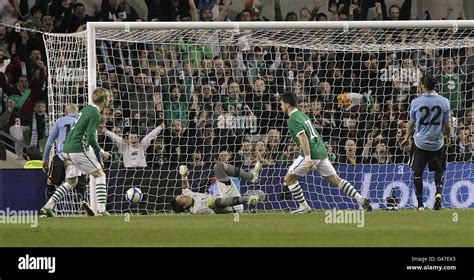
{"x": 344, "y": 26}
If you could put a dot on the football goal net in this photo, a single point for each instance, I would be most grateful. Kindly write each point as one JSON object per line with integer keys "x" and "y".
{"x": 216, "y": 87}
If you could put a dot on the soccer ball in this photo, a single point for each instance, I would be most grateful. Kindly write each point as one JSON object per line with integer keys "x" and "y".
{"x": 134, "y": 195}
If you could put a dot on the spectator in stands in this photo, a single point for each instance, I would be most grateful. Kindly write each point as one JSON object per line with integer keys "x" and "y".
{"x": 197, "y": 159}
{"x": 198, "y": 124}
{"x": 111, "y": 10}
{"x": 57, "y": 9}
{"x": 334, "y": 9}
{"x": 8, "y": 12}
{"x": 354, "y": 12}
{"x": 326, "y": 95}
{"x": 209, "y": 144}
{"x": 321, "y": 17}
{"x": 396, "y": 12}
{"x": 368, "y": 73}
{"x": 469, "y": 119}
{"x": 452, "y": 84}
{"x": 260, "y": 105}
{"x": 246, "y": 151}
{"x": 305, "y": 14}
{"x": 4, "y": 61}
{"x": 408, "y": 83}
{"x": 33, "y": 153}
{"x": 6, "y": 114}
{"x": 75, "y": 19}
{"x": 461, "y": 149}
{"x": 322, "y": 120}
{"x": 381, "y": 154}
{"x": 243, "y": 16}
{"x": 217, "y": 77}
{"x": 256, "y": 10}
{"x": 351, "y": 131}
{"x": 332, "y": 155}
{"x": 471, "y": 148}
{"x": 47, "y": 23}
{"x": 207, "y": 97}
{"x": 194, "y": 53}
{"x": 38, "y": 125}
{"x": 4, "y": 39}
{"x": 255, "y": 64}
{"x": 107, "y": 117}
{"x": 158, "y": 102}
{"x": 235, "y": 96}
{"x": 224, "y": 7}
{"x": 177, "y": 141}
{"x": 225, "y": 119}
{"x": 204, "y": 11}
{"x": 274, "y": 145}
{"x": 241, "y": 81}
{"x": 290, "y": 154}
{"x": 350, "y": 157}
{"x": 304, "y": 107}
{"x": 31, "y": 64}
{"x": 260, "y": 154}
{"x": 401, "y": 154}
{"x": 24, "y": 99}
{"x": 114, "y": 161}
{"x": 30, "y": 18}
{"x": 4, "y": 120}
{"x": 133, "y": 149}
{"x": 138, "y": 96}
{"x": 157, "y": 156}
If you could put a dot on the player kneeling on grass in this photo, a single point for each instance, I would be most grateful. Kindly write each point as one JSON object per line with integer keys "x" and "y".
{"x": 230, "y": 201}
{"x": 78, "y": 159}
{"x": 314, "y": 156}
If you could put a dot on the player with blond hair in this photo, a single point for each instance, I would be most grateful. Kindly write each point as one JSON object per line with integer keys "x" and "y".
{"x": 78, "y": 158}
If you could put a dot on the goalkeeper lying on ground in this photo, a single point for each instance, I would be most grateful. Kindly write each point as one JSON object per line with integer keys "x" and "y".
{"x": 230, "y": 200}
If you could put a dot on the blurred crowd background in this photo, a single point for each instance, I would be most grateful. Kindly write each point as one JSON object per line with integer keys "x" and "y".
{"x": 220, "y": 103}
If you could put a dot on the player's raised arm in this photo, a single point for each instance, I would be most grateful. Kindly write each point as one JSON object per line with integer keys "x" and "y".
{"x": 152, "y": 135}
{"x": 117, "y": 139}
{"x": 183, "y": 171}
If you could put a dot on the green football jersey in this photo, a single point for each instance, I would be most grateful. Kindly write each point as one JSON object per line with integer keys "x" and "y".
{"x": 298, "y": 123}
{"x": 450, "y": 87}
{"x": 84, "y": 131}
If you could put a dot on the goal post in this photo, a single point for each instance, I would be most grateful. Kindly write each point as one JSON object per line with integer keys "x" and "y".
{"x": 216, "y": 87}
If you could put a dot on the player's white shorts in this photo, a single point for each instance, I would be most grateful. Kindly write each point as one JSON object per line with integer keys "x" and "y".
{"x": 229, "y": 191}
{"x": 301, "y": 167}
{"x": 80, "y": 163}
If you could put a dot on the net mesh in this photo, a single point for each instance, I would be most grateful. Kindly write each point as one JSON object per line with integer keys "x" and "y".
{"x": 216, "y": 91}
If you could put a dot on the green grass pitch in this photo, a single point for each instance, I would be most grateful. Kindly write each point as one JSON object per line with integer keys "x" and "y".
{"x": 381, "y": 228}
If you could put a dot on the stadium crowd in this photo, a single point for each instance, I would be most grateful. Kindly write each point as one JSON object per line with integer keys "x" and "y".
{"x": 221, "y": 103}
